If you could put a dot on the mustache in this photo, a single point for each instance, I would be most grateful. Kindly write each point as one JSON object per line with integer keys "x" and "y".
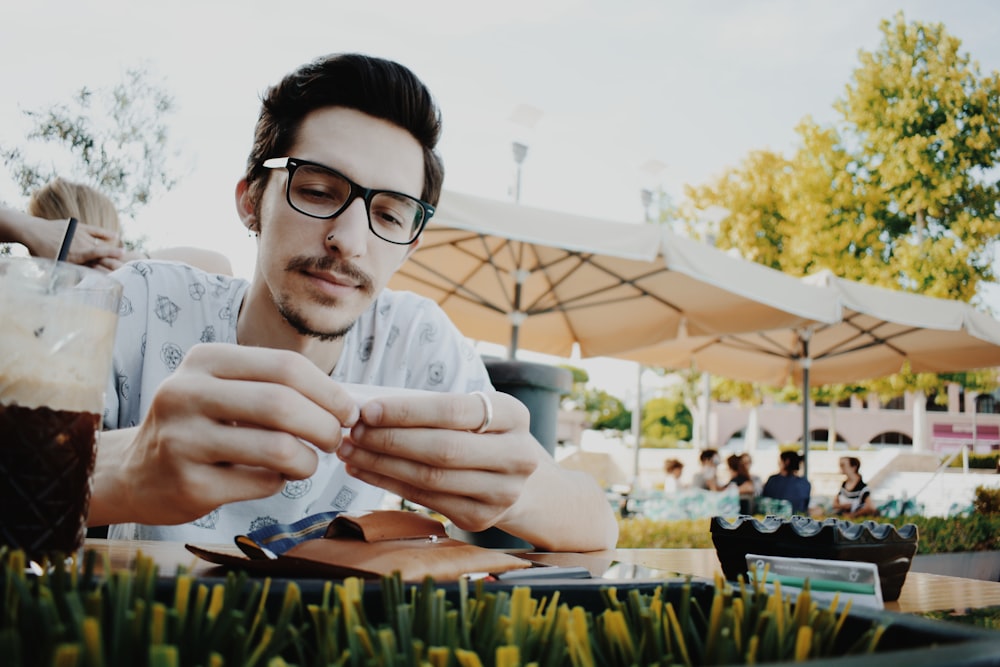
{"x": 331, "y": 264}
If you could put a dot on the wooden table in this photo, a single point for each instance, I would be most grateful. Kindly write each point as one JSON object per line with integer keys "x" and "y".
{"x": 922, "y": 592}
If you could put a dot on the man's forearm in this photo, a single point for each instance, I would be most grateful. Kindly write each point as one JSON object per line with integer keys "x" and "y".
{"x": 564, "y": 510}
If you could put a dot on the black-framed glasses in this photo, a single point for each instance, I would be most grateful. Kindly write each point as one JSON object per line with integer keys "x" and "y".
{"x": 321, "y": 192}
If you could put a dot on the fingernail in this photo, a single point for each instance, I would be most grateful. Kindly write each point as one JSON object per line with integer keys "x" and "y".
{"x": 345, "y": 450}
{"x": 372, "y": 413}
{"x": 353, "y": 418}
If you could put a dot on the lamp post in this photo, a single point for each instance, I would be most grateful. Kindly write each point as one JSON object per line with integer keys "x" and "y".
{"x": 523, "y": 118}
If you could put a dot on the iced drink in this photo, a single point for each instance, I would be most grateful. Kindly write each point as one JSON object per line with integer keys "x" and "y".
{"x": 57, "y": 326}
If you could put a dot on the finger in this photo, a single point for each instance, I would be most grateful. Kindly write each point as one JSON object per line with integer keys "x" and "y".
{"x": 468, "y": 513}
{"x": 497, "y": 483}
{"x": 209, "y": 487}
{"x": 447, "y": 449}
{"x": 460, "y": 412}
{"x": 279, "y": 367}
{"x": 90, "y": 250}
{"x": 101, "y": 233}
{"x": 265, "y": 406}
{"x": 107, "y": 264}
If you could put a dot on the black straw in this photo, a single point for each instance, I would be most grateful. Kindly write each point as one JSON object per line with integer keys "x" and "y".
{"x": 67, "y": 240}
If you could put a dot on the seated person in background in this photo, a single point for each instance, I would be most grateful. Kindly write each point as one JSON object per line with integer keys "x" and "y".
{"x": 61, "y": 199}
{"x": 749, "y": 485}
{"x": 673, "y": 468}
{"x": 739, "y": 466}
{"x": 707, "y": 477}
{"x": 787, "y": 485}
{"x": 854, "y": 498}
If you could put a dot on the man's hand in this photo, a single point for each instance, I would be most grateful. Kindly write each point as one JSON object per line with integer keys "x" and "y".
{"x": 424, "y": 448}
{"x": 231, "y": 423}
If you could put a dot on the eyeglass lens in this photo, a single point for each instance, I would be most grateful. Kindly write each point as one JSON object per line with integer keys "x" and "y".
{"x": 322, "y": 193}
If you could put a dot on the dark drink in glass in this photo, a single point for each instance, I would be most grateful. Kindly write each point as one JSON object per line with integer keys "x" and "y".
{"x": 56, "y": 337}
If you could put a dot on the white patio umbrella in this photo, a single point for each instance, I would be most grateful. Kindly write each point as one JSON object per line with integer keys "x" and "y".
{"x": 542, "y": 280}
{"x": 880, "y": 330}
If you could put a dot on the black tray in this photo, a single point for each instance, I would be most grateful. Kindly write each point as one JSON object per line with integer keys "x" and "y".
{"x": 889, "y": 548}
{"x": 909, "y": 640}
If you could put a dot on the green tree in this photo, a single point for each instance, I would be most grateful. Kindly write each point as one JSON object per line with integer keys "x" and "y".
{"x": 666, "y": 421}
{"x": 902, "y": 192}
{"x": 604, "y": 411}
{"x": 927, "y": 124}
{"x": 115, "y": 139}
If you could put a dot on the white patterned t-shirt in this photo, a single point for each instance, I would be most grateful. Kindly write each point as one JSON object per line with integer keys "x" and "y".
{"x": 401, "y": 340}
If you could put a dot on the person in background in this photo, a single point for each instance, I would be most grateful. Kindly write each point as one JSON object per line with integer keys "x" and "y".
{"x": 749, "y": 485}
{"x": 742, "y": 479}
{"x": 61, "y": 199}
{"x": 707, "y": 477}
{"x": 854, "y": 498}
{"x": 786, "y": 484}
{"x": 673, "y": 469}
{"x": 42, "y": 237}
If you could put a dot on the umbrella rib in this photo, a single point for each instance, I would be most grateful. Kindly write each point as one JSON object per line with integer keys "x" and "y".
{"x": 458, "y": 291}
{"x": 876, "y": 340}
{"x": 458, "y": 288}
{"x": 620, "y": 281}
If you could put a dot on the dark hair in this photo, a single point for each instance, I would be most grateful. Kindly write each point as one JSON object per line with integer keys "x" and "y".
{"x": 708, "y": 454}
{"x": 790, "y": 461}
{"x": 672, "y": 464}
{"x": 733, "y": 462}
{"x": 377, "y": 87}
{"x": 853, "y": 462}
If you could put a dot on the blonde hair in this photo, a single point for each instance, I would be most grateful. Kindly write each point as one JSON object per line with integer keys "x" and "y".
{"x": 64, "y": 199}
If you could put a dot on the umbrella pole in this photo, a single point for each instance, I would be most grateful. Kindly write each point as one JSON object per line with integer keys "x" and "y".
{"x": 637, "y": 431}
{"x": 806, "y": 363}
{"x": 516, "y": 316}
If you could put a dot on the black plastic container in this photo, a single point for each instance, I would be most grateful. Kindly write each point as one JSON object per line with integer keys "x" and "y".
{"x": 909, "y": 640}
{"x": 890, "y": 549}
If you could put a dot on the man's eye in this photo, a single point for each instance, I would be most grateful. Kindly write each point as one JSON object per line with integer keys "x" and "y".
{"x": 314, "y": 193}
{"x": 388, "y": 218}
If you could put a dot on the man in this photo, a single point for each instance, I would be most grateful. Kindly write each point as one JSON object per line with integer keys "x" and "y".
{"x": 215, "y": 438}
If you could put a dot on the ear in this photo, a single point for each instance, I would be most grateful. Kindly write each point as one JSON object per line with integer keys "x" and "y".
{"x": 244, "y": 208}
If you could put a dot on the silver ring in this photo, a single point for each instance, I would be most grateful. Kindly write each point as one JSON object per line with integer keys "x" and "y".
{"x": 488, "y": 418}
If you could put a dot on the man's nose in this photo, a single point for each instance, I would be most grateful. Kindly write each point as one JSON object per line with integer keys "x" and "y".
{"x": 349, "y": 230}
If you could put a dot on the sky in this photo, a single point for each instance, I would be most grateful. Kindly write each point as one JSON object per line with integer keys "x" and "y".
{"x": 629, "y": 94}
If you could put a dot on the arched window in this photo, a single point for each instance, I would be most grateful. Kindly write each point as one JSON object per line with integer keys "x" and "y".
{"x": 892, "y": 438}
{"x": 823, "y": 435}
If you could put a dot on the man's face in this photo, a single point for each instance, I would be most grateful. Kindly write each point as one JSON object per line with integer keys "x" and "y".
{"x": 322, "y": 274}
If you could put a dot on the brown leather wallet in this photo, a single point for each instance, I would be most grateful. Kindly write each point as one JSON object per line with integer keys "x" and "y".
{"x": 373, "y": 544}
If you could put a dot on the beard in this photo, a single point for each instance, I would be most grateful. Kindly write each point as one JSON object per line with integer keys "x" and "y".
{"x": 288, "y": 309}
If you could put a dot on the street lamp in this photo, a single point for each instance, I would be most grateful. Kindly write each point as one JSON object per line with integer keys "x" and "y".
{"x": 523, "y": 118}
{"x": 520, "y": 152}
